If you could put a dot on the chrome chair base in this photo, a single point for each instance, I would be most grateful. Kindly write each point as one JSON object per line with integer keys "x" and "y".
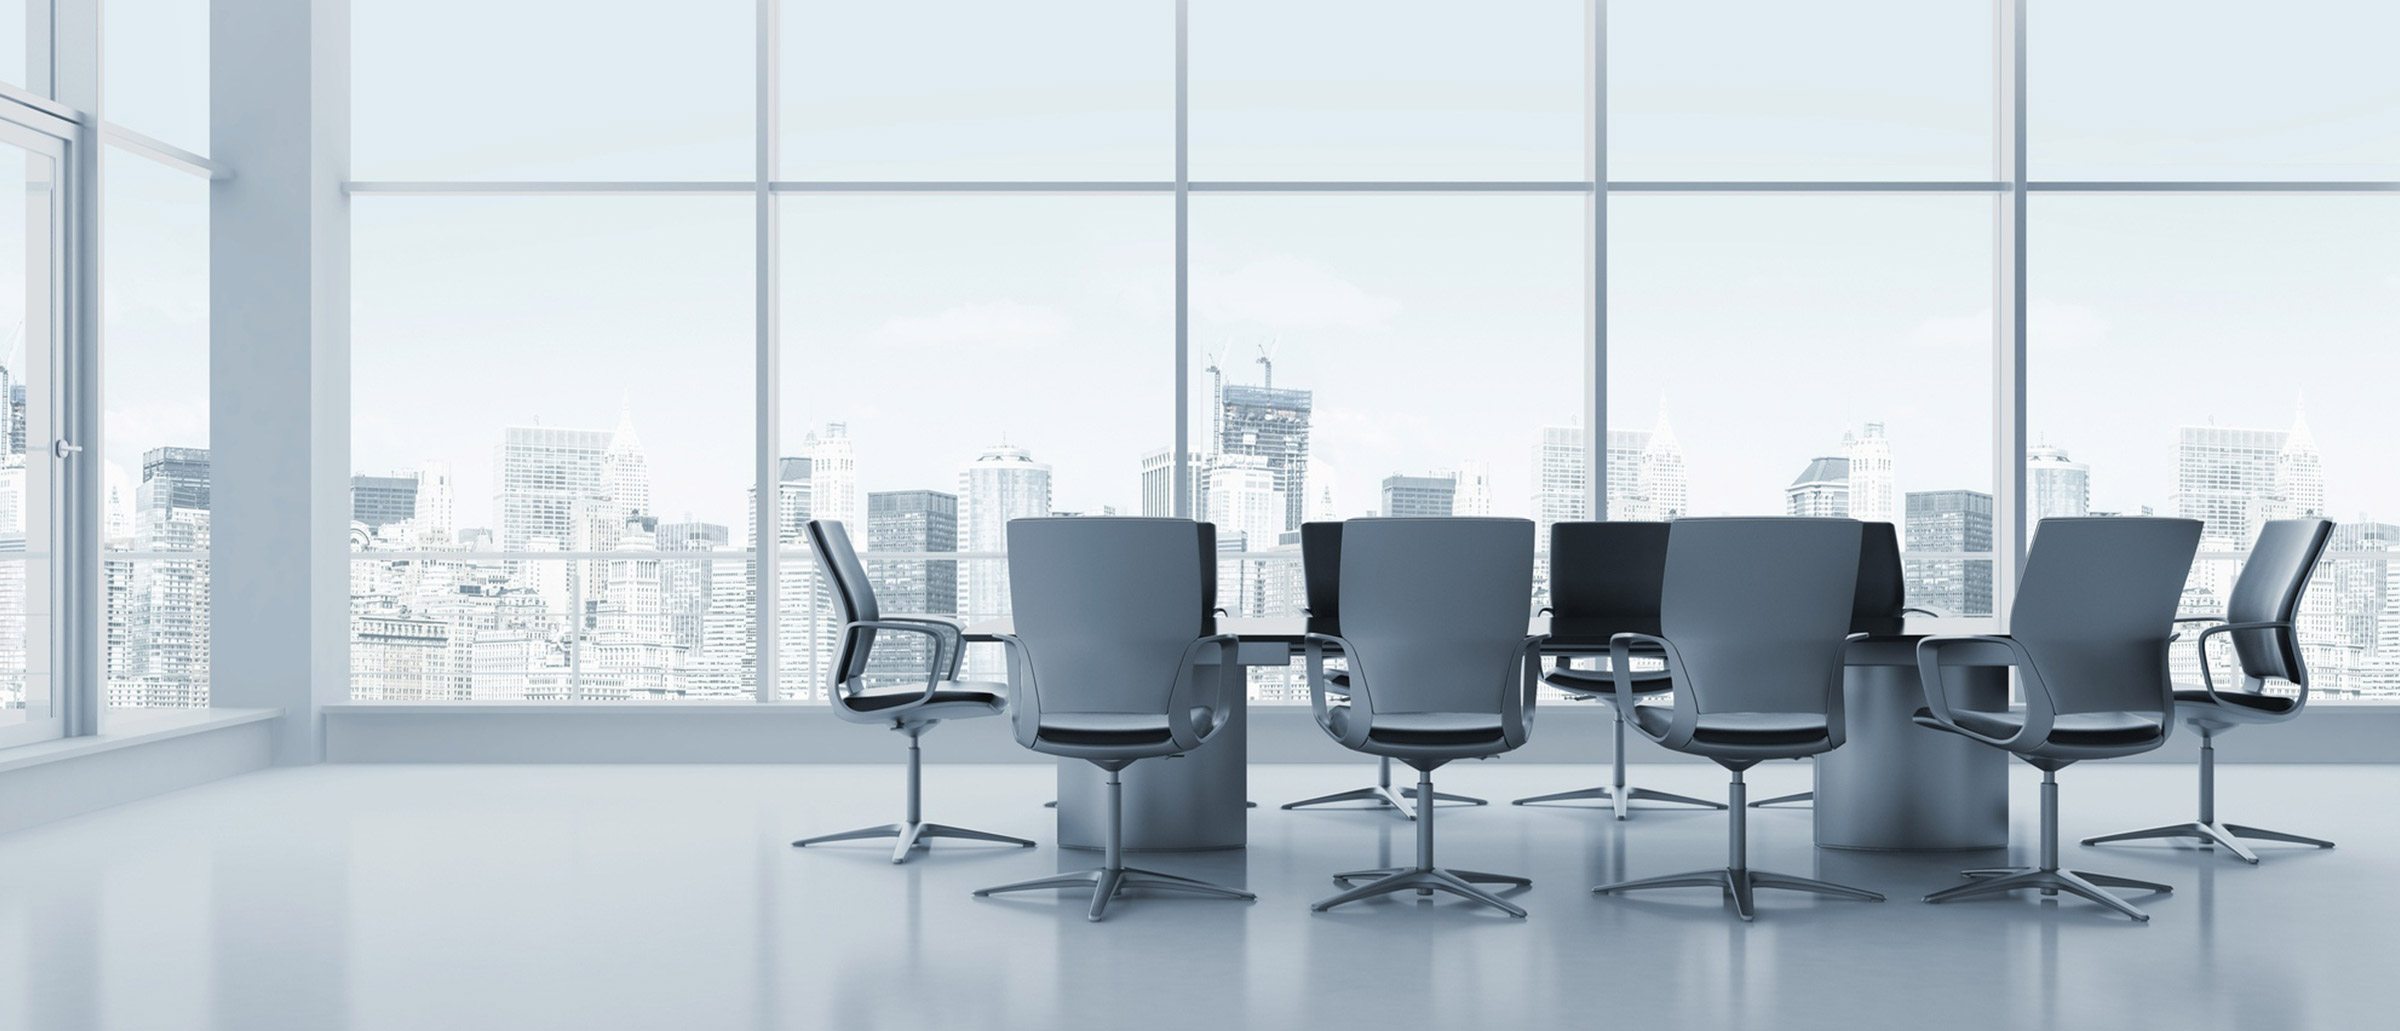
{"x": 1400, "y": 800}
{"x": 1461, "y": 883}
{"x": 913, "y": 836}
{"x": 1741, "y": 885}
{"x": 2221, "y": 835}
{"x": 1623, "y": 800}
{"x": 1108, "y": 882}
{"x": 1794, "y": 798}
{"x": 2082, "y": 883}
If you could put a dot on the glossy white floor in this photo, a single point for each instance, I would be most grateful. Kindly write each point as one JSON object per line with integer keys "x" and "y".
{"x": 652, "y": 897}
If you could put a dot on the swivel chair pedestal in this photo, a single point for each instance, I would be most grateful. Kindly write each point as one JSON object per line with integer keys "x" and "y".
{"x": 913, "y": 832}
{"x": 2207, "y": 830}
{"x": 1425, "y": 878}
{"x": 1384, "y": 795}
{"x": 1112, "y": 876}
{"x": 2047, "y": 877}
{"x": 1737, "y": 880}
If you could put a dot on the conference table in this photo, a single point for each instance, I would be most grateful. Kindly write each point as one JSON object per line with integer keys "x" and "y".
{"x": 1892, "y": 785}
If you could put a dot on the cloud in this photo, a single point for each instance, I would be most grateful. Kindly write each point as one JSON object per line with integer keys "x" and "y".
{"x": 1284, "y": 292}
{"x": 986, "y": 324}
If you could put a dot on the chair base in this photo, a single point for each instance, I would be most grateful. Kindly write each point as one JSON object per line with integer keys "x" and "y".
{"x": 1107, "y": 883}
{"x": 913, "y": 836}
{"x": 1793, "y": 799}
{"x": 1623, "y": 800}
{"x": 2221, "y": 835}
{"x": 1461, "y": 883}
{"x": 1741, "y": 885}
{"x": 1396, "y": 799}
{"x": 2082, "y": 883}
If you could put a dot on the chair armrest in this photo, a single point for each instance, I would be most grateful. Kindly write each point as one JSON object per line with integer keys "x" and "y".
{"x": 933, "y": 666}
{"x": 1179, "y": 695}
{"x": 954, "y": 639}
{"x": 1362, "y": 708}
{"x": 1686, "y": 718}
{"x": 1837, "y": 721}
{"x": 2208, "y": 677}
{"x": 1923, "y": 611}
{"x": 1024, "y": 694}
{"x": 1516, "y": 707}
{"x": 2041, "y": 711}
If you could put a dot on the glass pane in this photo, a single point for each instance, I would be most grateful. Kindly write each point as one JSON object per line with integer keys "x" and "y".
{"x": 18, "y": 55}
{"x": 1012, "y": 355}
{"x": 1809, "y": 355}
{"x": 157, "y": 620}
{"x": 2212, "y": 89}
{"x": 28, "y": 703}
{"x": 1377, "y": 89}
{"x": 661, "y": 621}
{"x": 155, "y": 271}
{"x": 1342, "y": 360}
{"x": 517, "y": 89}
{"x": 156, "y": 69}
{"x": 1770, "y": 89}
{"x": 2200, "y": 356}
{"x": 1051, "y": 89}
{"x": 538, "y": 372}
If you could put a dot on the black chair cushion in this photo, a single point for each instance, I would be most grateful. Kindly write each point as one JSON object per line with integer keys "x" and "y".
{"x": 1423, "y": 729}
{"x": 2265, "y": 704}
{"x": 1118, "y": 729}
{"x": 1595, "y": 682}
{"x": 948, "y": 695}
{"x": 1738, "y": 729}
{"x": 2072, "y": 735}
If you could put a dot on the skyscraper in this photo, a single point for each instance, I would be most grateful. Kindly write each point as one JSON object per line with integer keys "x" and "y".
{"x": 380, "y": 501}
{"x": 833, "y": 476}
{"x": 1001, "y": 484}
{"x": 1626, "y": 498}
{"x": 173, "y": 477}
{"x": 546, "y": 477}
{"x": 2062, "y": 487}
{"x": 2226, "y": 478}
{"x": 1666, "y": 485}
{"x": 1822, "y": 489}
{"x": 2299, "y": 472}
{"x": 1158, "y": 482}
{"x": 168, "y": 620}
{"x": 1474, "y": 497}
{"x": 1869, "y": 458}
{"x": 1407, "y": 497}
{"x": 1245, "y": 503}
{"x": 1271, "y": 423}
{"x": 922, "y": 522}
{"x": 686, "y": 586}
{"x": 1950, "y": 521}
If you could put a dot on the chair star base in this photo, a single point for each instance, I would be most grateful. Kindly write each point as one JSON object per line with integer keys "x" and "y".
{"x": 2221, "y": 835}
{"x": 1793, "y": 799}
{"x": 1461, "y": 883}
{"x": 1399, "y": 800}
{"x": 2082, "y": 883}
{"x": 912, "y": 837}
{"x": 1109, "y": 882}
{"x": 1741, "y": 884}
{"x": 1605, "y": 793}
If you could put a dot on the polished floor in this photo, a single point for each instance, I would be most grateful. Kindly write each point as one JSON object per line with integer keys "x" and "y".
{"x": 666, "y": 897}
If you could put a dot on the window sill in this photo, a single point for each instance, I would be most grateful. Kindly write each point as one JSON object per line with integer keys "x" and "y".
{"x": 129, "y": 728}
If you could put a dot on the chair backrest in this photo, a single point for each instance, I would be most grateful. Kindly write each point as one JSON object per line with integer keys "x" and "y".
{"x": 1208, "y": 577}
{"x": 1758, "y": 609}
{"x": 1882, "y": 594}
{"x": 1605, "y": 579}
{"x": 1106, "y": 607}
{"x": 1435, "y": 610}
{"x": 1321, "y": 575}
{"x": 2273, "y": 579}
{"x": 853, "y": 595}
{"x": 2096, "y": 609}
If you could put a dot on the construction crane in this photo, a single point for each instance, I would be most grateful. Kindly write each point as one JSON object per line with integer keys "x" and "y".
{"x": 1216, "y": 396}
{"x": 1266, "y": 358}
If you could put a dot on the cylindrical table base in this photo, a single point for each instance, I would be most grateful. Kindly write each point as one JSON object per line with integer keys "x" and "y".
{"x": 1894, "y": 785}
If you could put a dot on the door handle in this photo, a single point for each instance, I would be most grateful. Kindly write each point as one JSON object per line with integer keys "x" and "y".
{"x": 63, "y": 449}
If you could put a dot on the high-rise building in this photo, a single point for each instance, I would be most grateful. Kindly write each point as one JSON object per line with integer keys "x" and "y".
{"x": 1245, "y": 503}
{"x": 1627, "y": 501}
{"x": 1158, "y": 483}
{"x": 686, "y": 586}
{"x": 2299, "y": 473}
{"x": 1822, "y": 490}
{"x": 1950, "y": 522}
{"x": 1561, "y": 481}
{"x": 380, "y": 501}
{"x": 2062, "y": 487}
{"x": 173, "y": 477}
{"x": 833, "y": 476}
{"x": 1406, "y": 497}
{"x": 1271, "y": 423}
{"x": 625, "y": 472}
{"x": 546, "y": 478}
{"x": 436, "y": 504}
{"x": 901, "y": 522}
{"x": 2226, "y": 478}
{"x": 1666, "y": 484}
{"x": 1868, "y": 455}
{"x": 1002, "y": 483}
{"x": 1474, "y": 497}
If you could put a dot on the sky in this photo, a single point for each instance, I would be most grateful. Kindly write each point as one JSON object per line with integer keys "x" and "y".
{"x": 1435, "y": 330}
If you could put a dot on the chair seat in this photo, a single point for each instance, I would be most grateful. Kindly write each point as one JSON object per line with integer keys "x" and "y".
{"x": 2233, "y": 706}
{"x": 950, "y": 700}
{"x": 1423, "y": 729}
{"x": 1592, "y": 683}
{"x": 1118, "y": 729}
{"x": 1739, "y": 730}
{"x": 2074, "y": 735}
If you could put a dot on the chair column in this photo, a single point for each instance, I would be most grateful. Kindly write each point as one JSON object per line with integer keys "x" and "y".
{"x": 1425, "y": 809}
{"x": 1737, "y": 847}
{"x": 2208, "y": 776}
{"x": 916, "y": 774}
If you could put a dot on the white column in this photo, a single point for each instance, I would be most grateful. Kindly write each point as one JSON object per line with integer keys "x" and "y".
{"x": 279, "y": 367}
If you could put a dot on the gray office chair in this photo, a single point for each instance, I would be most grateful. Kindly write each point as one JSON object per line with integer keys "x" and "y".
{"x": 2260, "y": 620}
{"x": 912, "y": 710}
{"x": 1320, "y": 574}
{"x": 1754, "y": 619}
{"x": 1433, "y": 626}
{"x": 2088, "y": 636}
{"x": 1110, "y": 615}
{"x": 1879, "y": 609}
{"x": 1605, "y": 580}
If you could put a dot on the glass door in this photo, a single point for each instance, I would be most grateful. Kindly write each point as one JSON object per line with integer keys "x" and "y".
{"x": 32, "y": 209}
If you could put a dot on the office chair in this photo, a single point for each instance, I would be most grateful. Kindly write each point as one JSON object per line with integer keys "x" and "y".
{"x": 1109, "y": 617}
{"x": 2260, "y": 619}
{"x": 1433, "y": 627}
{"x": 1321, "y": 571}
{"x": 1604, "y": 580}
{"x": 911, "y": 711}
{"x": 2088, "y": 636}
{"x": 1754, "y": 619}
{"x": 1879, "y": 609}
